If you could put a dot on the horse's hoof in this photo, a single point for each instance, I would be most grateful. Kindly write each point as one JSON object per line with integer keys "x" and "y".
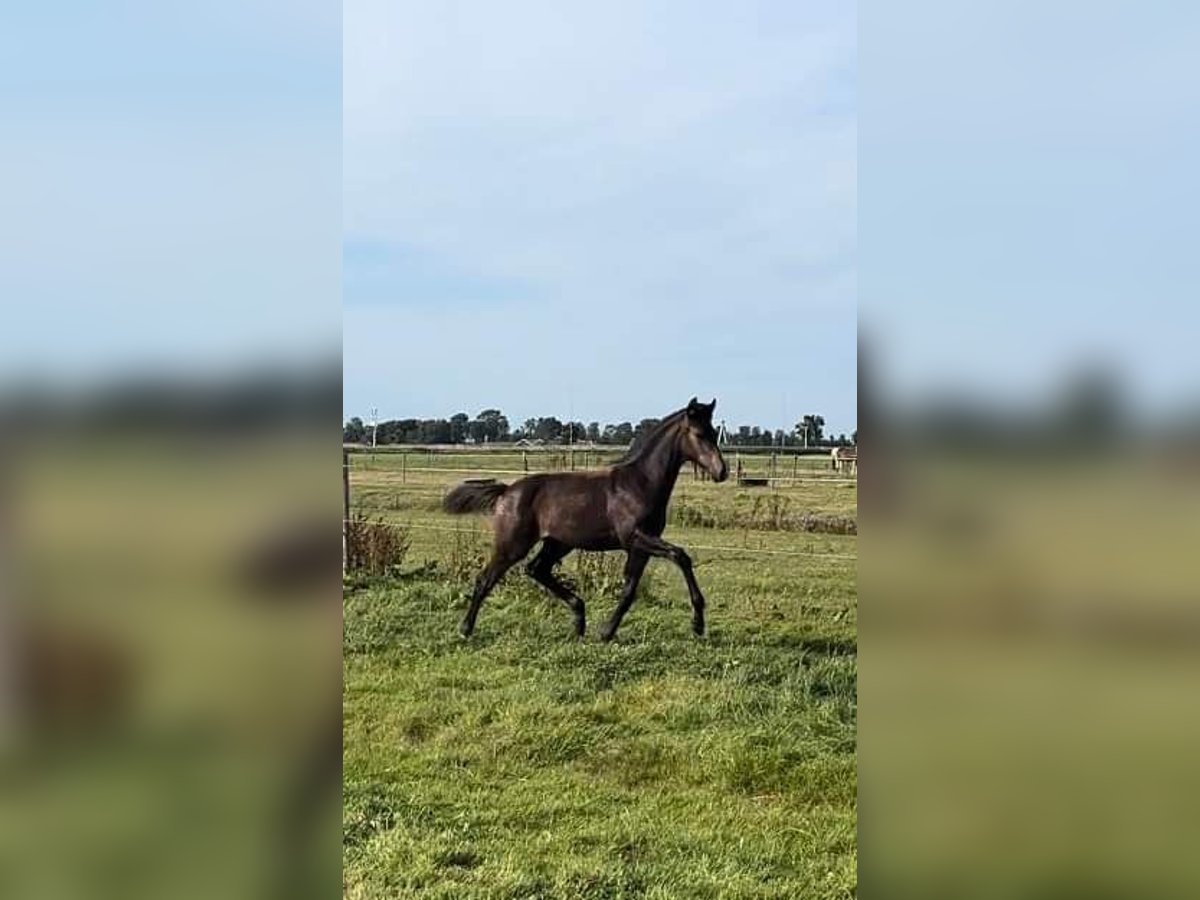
{"x": 580, "y": 629}
{"x": 465, "y": 629}
{"x": 698, "y": 629}
{"x": 607, "y": 634}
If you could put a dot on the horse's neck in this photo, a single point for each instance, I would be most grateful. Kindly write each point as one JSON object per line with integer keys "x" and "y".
{"x": 660, "y": 468}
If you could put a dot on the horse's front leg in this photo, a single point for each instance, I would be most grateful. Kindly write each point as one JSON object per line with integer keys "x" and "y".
{"x": 656, "y": 546}
{"x": 635, "y": 565}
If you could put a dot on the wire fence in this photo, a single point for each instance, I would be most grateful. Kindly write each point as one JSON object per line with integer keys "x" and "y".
{"x": 762, "y": 551}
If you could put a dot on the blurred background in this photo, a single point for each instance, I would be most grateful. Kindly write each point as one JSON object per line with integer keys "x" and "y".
{"x": 1029, "y": 619}
{"x": 170, "y": 663}
{"x": 169, "y": 413}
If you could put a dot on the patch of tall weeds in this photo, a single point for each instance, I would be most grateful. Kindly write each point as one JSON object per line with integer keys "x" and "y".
{"x": 375, "y": 547}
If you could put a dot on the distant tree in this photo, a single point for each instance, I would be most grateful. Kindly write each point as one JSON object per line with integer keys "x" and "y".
{"x": 644, "y": 426}
{"x": 810, "y": 428}
{"x": 493, "y": 426}
{"x": 435, "y": 431}
{"x": 354, "y": 432}
{"x": 617, "y": 434}
{"x": 408, "y": 431}
{"x": 573, "y": 432}
{"x": 549, "y": 429}
{"x": 386, "y": 432}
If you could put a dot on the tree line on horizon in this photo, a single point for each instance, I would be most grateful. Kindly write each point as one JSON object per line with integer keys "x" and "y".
{"x": 492, "y": 426}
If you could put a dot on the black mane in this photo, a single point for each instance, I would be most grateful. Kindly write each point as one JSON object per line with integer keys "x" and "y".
{"x": 646, "y": 439}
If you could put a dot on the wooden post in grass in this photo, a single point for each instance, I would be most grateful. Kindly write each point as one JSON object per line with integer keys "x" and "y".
{"x": 404, "y": 467}
{"x": 345, "y": 510}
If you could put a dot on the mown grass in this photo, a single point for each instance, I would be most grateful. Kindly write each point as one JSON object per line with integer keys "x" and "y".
{"x": 524, "y": 763}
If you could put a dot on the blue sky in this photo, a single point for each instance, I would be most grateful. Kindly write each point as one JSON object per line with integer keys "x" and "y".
{"x": 600, "y": 210}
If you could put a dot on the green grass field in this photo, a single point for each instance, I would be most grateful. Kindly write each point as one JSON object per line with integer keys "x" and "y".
{"x": 524, "y": 763}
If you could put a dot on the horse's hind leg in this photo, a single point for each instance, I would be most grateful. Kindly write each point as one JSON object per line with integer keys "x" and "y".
{"x": 508, "y": 552}
{"x": 483, "y": 586}
{"x": 541, "y": 570}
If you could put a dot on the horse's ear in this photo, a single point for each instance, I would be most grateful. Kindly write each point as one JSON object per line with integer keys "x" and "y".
{"x": 693, "y": 407}
{"x": 712, "y": 406}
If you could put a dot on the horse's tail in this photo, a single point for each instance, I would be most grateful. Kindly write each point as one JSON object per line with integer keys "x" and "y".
{"x": 473, "y": 497}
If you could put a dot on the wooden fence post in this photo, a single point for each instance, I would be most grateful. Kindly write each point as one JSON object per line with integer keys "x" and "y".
{"x": 345, "y": 510}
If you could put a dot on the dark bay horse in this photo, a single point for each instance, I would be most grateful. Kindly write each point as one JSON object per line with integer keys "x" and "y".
{"x": 621, "y": 507}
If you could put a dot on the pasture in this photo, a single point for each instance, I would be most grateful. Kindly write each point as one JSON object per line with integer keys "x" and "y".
{"x": 525, "y": 763}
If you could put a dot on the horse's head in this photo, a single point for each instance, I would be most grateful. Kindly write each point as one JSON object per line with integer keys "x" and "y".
{"x": 699, "y": 440}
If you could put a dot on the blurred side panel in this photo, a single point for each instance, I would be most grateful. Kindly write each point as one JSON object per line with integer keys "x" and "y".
{"x": 1030, "y": 627}
{"x": 170, "y": 671}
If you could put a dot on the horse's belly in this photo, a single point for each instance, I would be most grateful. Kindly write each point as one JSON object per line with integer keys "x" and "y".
{"x": 581, "y": 535}
{"x": 607, "y": 542}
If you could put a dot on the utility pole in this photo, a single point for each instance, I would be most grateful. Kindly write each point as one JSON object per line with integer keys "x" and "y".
{"x": 374, "y": 425}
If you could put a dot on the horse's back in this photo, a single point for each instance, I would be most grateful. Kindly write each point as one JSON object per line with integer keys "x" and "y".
{"x": 570, "y": 507}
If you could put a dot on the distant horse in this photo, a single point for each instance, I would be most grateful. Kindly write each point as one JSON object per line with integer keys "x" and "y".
{"x": 844, "y": 459}
{"x": 621, "y": 507}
